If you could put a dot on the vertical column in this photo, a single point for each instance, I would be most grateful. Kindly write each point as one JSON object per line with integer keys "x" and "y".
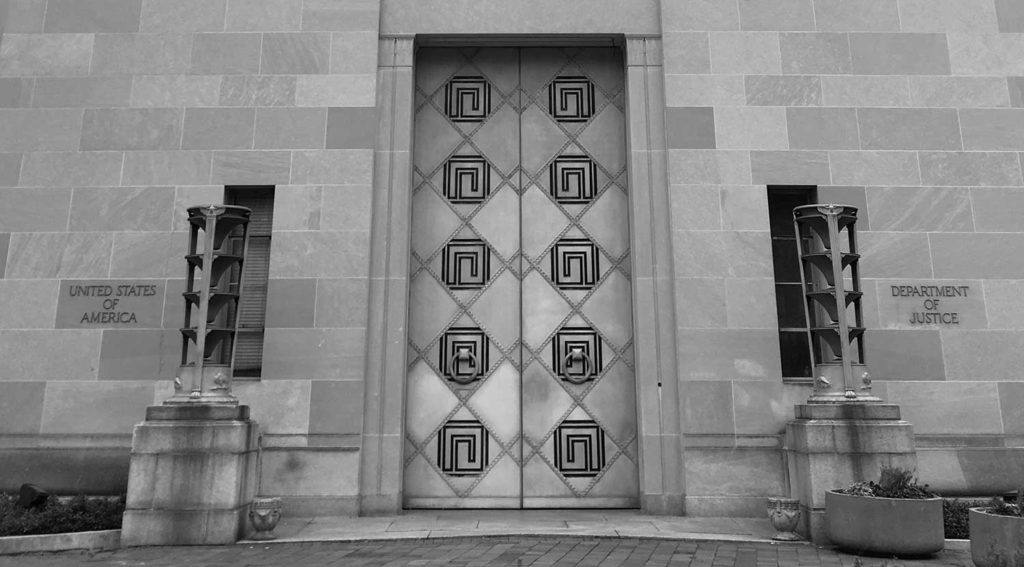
{"x": 381, "y": 467}
{"x": 662, "y": 484}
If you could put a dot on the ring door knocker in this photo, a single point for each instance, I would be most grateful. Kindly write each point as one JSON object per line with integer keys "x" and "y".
{"x": 577, "y": 355}
{"x": 464, "y": 354}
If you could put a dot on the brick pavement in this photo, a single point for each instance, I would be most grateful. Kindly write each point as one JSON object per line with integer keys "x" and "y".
{"x": 482, "y": 552}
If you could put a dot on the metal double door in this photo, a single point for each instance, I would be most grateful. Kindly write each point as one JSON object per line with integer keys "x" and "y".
{"x": 520, "y": 390}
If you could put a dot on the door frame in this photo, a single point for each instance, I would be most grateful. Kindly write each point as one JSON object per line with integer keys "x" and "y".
{"x": 662, "y": 483}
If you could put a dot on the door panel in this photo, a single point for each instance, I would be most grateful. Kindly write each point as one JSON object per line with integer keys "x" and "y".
{"x": 520, "y": 388}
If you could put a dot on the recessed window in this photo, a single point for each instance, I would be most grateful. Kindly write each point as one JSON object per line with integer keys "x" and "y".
{"x": 253, "y": 301}
{"x": 789, "y": 300}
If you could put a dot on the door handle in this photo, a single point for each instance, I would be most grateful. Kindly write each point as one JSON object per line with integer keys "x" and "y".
{"x": 464, "y": 354}
{"x": 576, "y": 354}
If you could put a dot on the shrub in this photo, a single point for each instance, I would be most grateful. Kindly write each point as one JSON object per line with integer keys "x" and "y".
{"x": 1001, "y": 507}
{"x": 893, "y": 482}
{"x": 77, "y": 514}
{"x": 955, "y": 520}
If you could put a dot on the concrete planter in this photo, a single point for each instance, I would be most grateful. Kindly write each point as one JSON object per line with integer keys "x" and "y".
{"x": 96, "y": 540}
{"x": 996, "y": 541}
{"x": 889, "y": 526}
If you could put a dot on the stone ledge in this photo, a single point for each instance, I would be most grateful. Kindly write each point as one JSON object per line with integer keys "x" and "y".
{"x": 197, "y": 413}
{"x": 848, "y": 411}
{"x": 96, "y": 540}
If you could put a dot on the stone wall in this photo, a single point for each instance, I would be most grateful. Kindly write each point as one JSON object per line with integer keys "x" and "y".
{"x": 116, "y": 115}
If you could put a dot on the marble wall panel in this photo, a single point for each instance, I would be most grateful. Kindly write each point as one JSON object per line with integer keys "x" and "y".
{"x": 77, "y": 16}
{"x": 978, "y": 255}
{"x": 920, "y": 209}
{"x": 1005, "y": 302}
{"x": 21, "y": 407}
{"x": 168, "y": 16}
{"x": 857, "y": 15}
{"x": 51, "y": 55}
{"x": 969, "y": 92}
{"x": 81, "y": 92}
{"x": 121, "y": 208}
{"x": 290, "y": 302}
{"x": 95, "y": 407}
{"x": 700, "y": 15}
{"x": 953, "y": 16}
{"x": 27, "y": 129}
{"x": 754, "y": 53}
{"x": 707, "y": 407}
{"x": 815, "y": 53}
{"x": 225, "y": 53}
{"x": 34, "y": 210}
{"x": 175, "y": 90}
{"x": 783, "y": 90}
{"x": 822, "y": 128}
{"x": 137, "y": 354}
{"x": 28, "y": 355}
{"x": 790, "y": 168}
{"x": 28, "y": 304}
{"x": 134, "y": 54}
{"x": 167, "y": 168}
{"x": 983, "y": 355}
{"x": 313, "y": 354}
{"x": 970, "y": 168}
{"x": 899, "y": 54}
{"x": 728, "y": 354}
{"x": 59, "y": 255}
{"x": 264, "y": 15}
{"x": 292, "y": 128}
{"x": 336, "y": 407}
{"x": 955, "y": 408}
{"x": 341, "y": 302}
{"x": 295, "y": 53}
{"x": 906, "y": 355}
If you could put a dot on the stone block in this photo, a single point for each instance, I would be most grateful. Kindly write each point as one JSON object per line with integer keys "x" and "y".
{"x": 28, "y": 355}
{"x": 34, "y": 255}
{"x": 815, "y": 53}
{"x": 341, "y": 302}
{"x": 856, "y": 15}
{"x": 848, "y": 195}
{"x": 920, "y": 209}
{"x": 894, "y": 255}
{"x": 699, "y": 254}
{"x": 296, "y": 471}
{"x": 690, "y": 128}
{"x": 148, "y": 254}
{"x": 34, "y": 210}
{"x": 39, "y": 55}
{"x": 1011, "y": 402}
{"x": 331, "y": 254}
{"x": 986, "y": 54}
{"x": 874, "y": 168}
{"x": 744, "y": 207}
{"x": 908, "y": 129}
{"x": 1010, "y": 16}
{"x": 760, "y": 128}
{"x": 954, "y": 408}
{"x": 981, "y": 255}
{"x": 226, "y": 54}
{"x": 10, "y": 169}
{"x": 182, "y": 16}
{"x": 140, "y": 54}
{"x": 899, "y": 54}
{"x": 704, "y": 90}
{"x": 1016, "y": 87}
{"x": 282, "y": 405}
{"x": 1005, "y": 301}
{"x": 290, "y": 303}
{"x": 21, "y": 407}
{"x": 250, "y": 168}
{"x": 257, "y": 90}
{"x": 313, "y": 354}
{"x": 339, "y": 167}
{"x": 783, "y": 90}
{"x": 89, "y": 16}
{"x": 336, "y": 90}
{"x": 953, "y": 16}
{"x": 175, "y": 90}
{"x": 131, "y": 129}
{"x": 30, "y": 304}
{"x": 700, "y": 303}
{"x": 94, "y": 407}
{"x": 263, "y": 15}
{"x": 973, "y": 355}
{"x": 167, "y": 168}
{"x": 121, "y": 208}
{"x": 351, "y": 128}
{"x": 790, "y": 168}
{"x": 356, "y": 52}
{"x": 218, "y": 128}
{"x": 707, "y": 407}
{"x": 336, "y": 407}
{"x": 992, "y": 129}
{"x": 822, "y": 128}
{"x": 5, "y": 239}
{"x": 746, "y": 307}
{"x": 345, "y": 207}
{"x": 865, "y": 90}
{"x": 700, "y": 15}
{"x": 298, "y": 207}
{"x": 25, "y": 16}
{"x": 969, "y": 92}
{"x": 187, "y": 196}
{"x": 81, "y": 92}
{"x": 136, "y": 354}
{"x": 299, "y": 128}
{"x": 777, "y": 15}
{"x": 905, "y": 354}
{"x": 970, "y": 168}
{"x": 329, "y": 15}
{"x": 26, "y": 129}
{"x": 66, "y": 169}
{"x": 15, "y": 92}
{"x": 728, "y": 354}
{"x": 734, "y": 471}
{"x": 970, "y": 471}
{"x": 752, "y": 53}
{"x": 295, "y": 53}
{"x": 183, "y": 527}
{"x": 695, "y": 207}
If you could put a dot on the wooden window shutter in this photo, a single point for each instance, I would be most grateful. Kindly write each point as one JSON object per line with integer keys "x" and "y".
{"x": 252, "y": 304}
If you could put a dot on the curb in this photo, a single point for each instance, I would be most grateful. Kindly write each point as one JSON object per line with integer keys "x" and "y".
{"x": 97, "y": 540}
{"x": 443, "y": 536}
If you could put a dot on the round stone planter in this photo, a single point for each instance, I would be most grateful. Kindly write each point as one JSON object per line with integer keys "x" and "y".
{"x": 887, "y": 526}
{"x": 996, "y": 540}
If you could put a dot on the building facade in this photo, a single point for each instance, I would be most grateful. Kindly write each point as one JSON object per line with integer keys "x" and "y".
{"x": 510, "y": 254}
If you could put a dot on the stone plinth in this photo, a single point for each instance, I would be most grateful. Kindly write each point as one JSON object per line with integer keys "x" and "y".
{"x": 832, "y": 445}
{"x": 192, "y": 476}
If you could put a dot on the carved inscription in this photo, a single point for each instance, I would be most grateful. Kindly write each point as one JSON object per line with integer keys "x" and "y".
{"x": 938, "y": 303}
{"x": 110, "y": 303}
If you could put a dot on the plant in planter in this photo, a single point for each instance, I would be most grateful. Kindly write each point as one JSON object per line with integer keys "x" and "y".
{"x": 894, "y": 516}
{"x": 997, "y": 533}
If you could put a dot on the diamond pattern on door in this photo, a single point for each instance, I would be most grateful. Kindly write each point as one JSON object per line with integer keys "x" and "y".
{"x": 521, "y": 383}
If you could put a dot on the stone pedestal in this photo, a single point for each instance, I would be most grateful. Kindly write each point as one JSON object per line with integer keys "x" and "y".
{"x": 833, "y": 445}
{"x": 192, "y": 476}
